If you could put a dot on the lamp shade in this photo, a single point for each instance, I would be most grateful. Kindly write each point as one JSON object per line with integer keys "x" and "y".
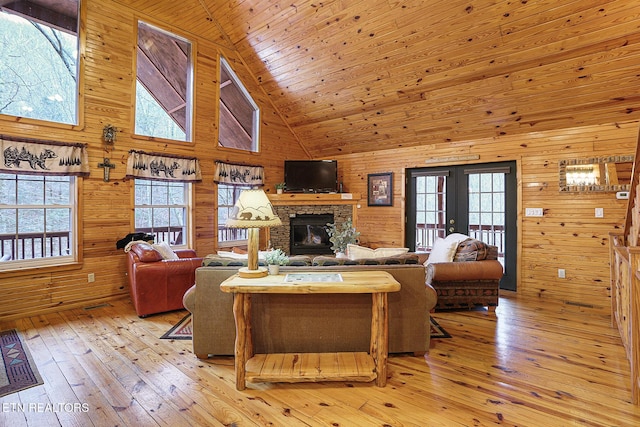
{"x": 253, "y": 210}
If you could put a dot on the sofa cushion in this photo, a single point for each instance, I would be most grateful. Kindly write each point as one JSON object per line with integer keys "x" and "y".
{"x": 223, "y": 261}
{"x": 357, "y": 252}
{"x": 146, "y": 252}
{"x": 471, "y": 250}
{"x": 391, "y": 260}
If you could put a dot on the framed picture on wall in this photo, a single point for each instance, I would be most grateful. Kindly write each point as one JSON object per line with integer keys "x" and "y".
{"x": 380, "y": 189}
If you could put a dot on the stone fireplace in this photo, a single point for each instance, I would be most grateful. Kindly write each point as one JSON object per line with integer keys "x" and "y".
{"x": 302, "y": 218}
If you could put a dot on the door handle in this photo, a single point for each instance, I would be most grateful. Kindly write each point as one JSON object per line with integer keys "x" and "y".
{"x": 452, "y": 229}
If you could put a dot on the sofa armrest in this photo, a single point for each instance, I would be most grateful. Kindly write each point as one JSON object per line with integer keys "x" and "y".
{"x": 432, "y": 296}
{"x": 185, "y": 253}
{"x": 189, "y": 299}
{"x": 464, "y": 270}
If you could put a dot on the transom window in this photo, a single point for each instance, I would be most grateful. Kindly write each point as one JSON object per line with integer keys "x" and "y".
{"x": 239, "y": 115}
{"x": 161, "y": 208}
{"x": 163, "y": 84}
{"x": 37, "y": 218}
{"x": 39, "y": 60}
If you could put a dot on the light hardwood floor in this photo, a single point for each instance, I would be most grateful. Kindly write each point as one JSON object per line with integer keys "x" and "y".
{"x": 530, "y": 364}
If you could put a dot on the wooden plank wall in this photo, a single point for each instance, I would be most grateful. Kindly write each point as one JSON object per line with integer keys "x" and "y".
{"x": 106, "y": 206}
{"x": 568, "y": 236}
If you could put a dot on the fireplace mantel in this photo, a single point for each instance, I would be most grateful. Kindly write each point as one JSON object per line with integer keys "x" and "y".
{"x": 290, "y": 199}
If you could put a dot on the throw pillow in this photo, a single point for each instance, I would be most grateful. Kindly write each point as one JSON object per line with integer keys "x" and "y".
{"x": 471, "y": 250}
{"x": 165, "y": 250}
{"x": 444, "y": 250}
{"x": 355, "y": 252}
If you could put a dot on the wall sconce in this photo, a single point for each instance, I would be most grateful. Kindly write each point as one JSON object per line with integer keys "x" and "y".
{"x": 109, "y": 134}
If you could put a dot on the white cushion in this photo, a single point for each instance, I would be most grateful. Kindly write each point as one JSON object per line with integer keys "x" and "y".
{"x": 444, "y": 250}
{"x": 355, "y": 252}
{"x": 456, "y": 237}
{"x": 234, "y": 255}
{"x": 165, "y": 250}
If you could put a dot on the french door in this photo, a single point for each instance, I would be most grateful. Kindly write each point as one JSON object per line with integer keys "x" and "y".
{"x": 476, "y": 200}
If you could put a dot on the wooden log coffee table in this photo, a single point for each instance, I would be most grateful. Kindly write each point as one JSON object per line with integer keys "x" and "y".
{"x": 312, "y": 367}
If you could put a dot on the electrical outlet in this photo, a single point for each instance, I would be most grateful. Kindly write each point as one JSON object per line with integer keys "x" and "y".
{"x": 533, "y": 212}
{"x": 91, "y": 277}
{"x": 561, "y": 273}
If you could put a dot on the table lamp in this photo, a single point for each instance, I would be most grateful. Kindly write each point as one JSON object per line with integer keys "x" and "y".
{"x": 253, "y": 211}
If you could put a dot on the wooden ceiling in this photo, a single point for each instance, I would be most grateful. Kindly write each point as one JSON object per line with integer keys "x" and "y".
{"x": 354, "y": 76}
{"x": 361, "y": 75}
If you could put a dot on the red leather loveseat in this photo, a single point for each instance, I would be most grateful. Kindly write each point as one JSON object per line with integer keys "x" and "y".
{"x": 157, "y": 285}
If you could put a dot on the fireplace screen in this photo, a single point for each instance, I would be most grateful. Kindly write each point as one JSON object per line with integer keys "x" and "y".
{"x": 309, "y": 234}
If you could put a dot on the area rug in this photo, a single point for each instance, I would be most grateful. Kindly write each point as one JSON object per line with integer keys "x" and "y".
{"x": 182, "y": 330}
{"x": 18, "y": 371}
{"x": 438, "y": 331}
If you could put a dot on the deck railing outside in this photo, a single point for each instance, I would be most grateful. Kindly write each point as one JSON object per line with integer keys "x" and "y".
{"x": 34, "y": 245}
{"x": 426, "y": 235}
{"x": 24, "y": 246}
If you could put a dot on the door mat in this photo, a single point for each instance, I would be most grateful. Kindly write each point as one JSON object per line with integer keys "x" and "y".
{"x": 183, "y": 330}
{"x": 18, "y": 371}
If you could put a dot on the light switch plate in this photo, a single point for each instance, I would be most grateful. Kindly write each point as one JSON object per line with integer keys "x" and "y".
{"x": 599, "y": 212}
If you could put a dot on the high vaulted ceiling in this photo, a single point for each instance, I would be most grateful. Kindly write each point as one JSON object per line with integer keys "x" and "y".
{"x": 354, "y": 76}
{"x": 361, "y": 75}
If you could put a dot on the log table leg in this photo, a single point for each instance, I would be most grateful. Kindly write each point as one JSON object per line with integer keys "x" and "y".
{"x": 380, "y": 336}
{"x": 241, "y": 306}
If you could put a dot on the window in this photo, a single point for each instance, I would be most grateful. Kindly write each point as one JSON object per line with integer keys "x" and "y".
{"x": 39, "y": 60}
{"x": 161, "y": 208}
{"x": 239, "y": 114}
{"x": 37, "y": 218}
{"x": 227, "y": 197}
{"x": 163, "y": 84}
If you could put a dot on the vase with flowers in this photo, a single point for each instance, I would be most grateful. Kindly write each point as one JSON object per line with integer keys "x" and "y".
{"x": 342, "y": 235}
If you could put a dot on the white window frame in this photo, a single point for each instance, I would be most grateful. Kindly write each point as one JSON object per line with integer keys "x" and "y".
{"x": 186, "y": 208}
{"x": 255, "y": 136}
{"x": 237, "y": 190}
{"x": 188, "y": 131}
{"x": 47, "y": 261}
{"x": 79, "y": 55}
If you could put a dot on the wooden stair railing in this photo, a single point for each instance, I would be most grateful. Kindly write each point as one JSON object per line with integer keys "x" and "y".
{"x": 625, "y": 279}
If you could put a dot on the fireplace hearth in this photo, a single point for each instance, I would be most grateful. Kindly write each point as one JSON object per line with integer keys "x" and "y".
{"x": 308, "y": 234}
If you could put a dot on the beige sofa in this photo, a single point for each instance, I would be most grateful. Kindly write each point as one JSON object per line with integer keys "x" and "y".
{"x": 311, "y": 323}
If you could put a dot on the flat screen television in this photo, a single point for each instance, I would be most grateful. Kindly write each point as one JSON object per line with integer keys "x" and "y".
{"x": 311, "y": 176}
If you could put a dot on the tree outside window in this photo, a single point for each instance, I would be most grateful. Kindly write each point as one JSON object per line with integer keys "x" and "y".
{"x": 37, "y": 217}
{"x": 39, "y": 62}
